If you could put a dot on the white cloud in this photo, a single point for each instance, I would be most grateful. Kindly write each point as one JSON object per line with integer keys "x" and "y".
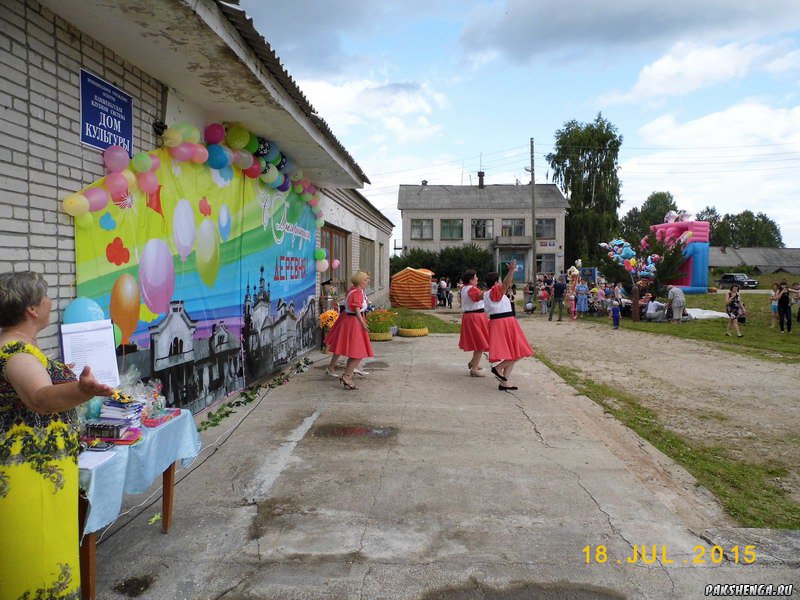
{"x": 690, "y": 67}
{"x": 746, "y": 157}
{"x": 520, "y": 30}
{"x": 401, "y": 112}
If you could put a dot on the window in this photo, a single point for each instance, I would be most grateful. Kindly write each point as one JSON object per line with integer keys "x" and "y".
{"x": 545, "y": 229}
{"x": 452, "y": 229}
{"x": 366, "y": 258}
{"x": 379, "y": 274}
{"x": 335, "y": 242}
{"x": 482, "y": 229}
{"x": 546, "y": 263}
{"x": 512, "y": 227}
{"x": 421, "y": 229}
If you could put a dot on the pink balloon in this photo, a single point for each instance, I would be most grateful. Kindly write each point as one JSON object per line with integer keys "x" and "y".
{"x": 335, "y": 264}
{"x": 97, "y": 197}
{"x": 200, "y": 154}
{"x": 311, "y": 189}
{"x": 156, "y": 276}
{"x": 156, "y": 162}
{"x": 243, "y": 159}
{"x": 320, "y": 215}
{"x": 148, "y": 182}
{"x": 116, "y": 184}
{"x": 313, "y": 202}
{"x": 182, "y": 152}
{"x": 115, "y": 158}
{"x": 214, "y": 133}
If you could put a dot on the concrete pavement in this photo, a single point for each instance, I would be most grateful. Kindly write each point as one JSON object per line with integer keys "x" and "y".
{"x": 426, "y": 483}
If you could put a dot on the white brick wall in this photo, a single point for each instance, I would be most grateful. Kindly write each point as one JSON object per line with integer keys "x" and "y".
{"x": 41, "y": 157}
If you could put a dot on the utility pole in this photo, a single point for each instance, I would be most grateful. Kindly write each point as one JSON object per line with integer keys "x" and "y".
{"x": 533, "y": 219}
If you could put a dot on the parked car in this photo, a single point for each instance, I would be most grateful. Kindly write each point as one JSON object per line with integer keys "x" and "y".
{"x": 740, "y": 279}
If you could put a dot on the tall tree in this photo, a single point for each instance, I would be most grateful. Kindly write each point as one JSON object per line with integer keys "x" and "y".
{"x": 585, "y": 164}
{"x": 743, "y": 230}
{"x": 636, "y": 223}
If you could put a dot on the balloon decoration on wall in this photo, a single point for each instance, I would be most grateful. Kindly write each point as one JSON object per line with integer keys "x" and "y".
{"x": 133, "y": 182}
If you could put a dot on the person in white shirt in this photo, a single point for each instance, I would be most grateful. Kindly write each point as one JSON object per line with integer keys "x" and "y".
{"x": 655, "y": 309}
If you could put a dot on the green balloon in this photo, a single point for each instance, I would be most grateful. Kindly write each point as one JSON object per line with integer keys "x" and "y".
{"x": 252, "y": 144}
{"x": 117, "y": 335}
{"x": 142, "y": 162}
{"x": 320, "y": 223}
{"x": 319, "y": 254}
{"x": 276, "y": 161}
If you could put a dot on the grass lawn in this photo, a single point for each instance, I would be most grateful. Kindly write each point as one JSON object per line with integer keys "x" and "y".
{"x": 759, "y": 339}
{"x": 434, "y": 324}
{"x": 747, "y": 489}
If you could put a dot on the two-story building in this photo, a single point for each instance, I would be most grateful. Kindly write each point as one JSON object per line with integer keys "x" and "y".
{"x": 494, "y": 217}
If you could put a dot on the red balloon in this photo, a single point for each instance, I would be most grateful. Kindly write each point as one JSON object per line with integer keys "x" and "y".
{"x": 253, "y": 171}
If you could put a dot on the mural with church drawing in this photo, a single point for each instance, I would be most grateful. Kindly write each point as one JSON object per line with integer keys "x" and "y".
{"x": 210, "y": 279}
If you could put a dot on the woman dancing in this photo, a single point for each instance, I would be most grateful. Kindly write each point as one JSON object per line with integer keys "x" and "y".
{"x": 507, "y": 342}
{"x": 352, "y": 337}
{"x": 474, "y": 325}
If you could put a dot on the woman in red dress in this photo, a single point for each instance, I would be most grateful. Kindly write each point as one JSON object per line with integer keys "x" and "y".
{"x": 352, "y": 336}
{"x": 507, "y": 342}
{"x": 474, "y": 324}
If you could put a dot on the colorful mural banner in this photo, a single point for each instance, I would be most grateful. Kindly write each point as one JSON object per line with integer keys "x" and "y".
{"x": 209, "y": 278}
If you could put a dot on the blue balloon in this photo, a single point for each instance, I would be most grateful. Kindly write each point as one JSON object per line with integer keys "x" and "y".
{"x": 272, "y": 152}
{"x": 82, "y": 310}
{"x": 217, "y": 157}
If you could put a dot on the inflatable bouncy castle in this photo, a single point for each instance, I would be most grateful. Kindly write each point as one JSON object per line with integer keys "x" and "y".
{"x": 695, "y": 235}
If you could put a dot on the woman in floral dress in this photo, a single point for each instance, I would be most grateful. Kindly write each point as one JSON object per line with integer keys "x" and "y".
{"x": 38, "y": 450}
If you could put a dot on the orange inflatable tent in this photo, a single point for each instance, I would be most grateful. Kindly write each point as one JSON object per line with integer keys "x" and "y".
{"x": 411, "y": 288}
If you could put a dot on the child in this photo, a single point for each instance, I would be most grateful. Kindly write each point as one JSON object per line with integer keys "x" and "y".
{"x": 571, "y": 300}
{"x": 614, "y": 312}
{"x": 544, "y": 296}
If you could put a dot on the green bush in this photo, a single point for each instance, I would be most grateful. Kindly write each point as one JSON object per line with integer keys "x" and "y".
{"x": 411, "y": 322}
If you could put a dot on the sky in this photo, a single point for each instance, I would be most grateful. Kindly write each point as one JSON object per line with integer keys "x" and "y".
{"x": 704, "y": 93}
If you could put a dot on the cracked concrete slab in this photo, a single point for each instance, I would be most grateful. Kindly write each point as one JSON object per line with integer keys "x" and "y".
{"x": 477, "y": 493}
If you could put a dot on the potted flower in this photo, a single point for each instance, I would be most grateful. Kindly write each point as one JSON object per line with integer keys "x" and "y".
{"x": 326, "y": 321}
{"x": 412, "y": 326}
{"x": 380, "y": 324}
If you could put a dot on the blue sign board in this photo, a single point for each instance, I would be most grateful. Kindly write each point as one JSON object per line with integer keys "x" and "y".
{"x": 106, "y": 114}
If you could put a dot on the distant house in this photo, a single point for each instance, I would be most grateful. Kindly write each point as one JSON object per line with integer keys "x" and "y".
{"x": 764, "y": 260}
{"x": 494, "y": 217}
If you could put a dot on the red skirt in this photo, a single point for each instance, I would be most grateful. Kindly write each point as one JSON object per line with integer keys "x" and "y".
{"x": 351, "y": 340}
{"x": 330, "y": 336}
{"x": 507, "y": 341}
{"x": 474, "y": 332}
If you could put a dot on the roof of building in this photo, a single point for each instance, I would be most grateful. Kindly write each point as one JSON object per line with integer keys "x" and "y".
{"x": 262, "y": 49}
{"x": 766, "y": 260}
{"x": 435, "y": 197}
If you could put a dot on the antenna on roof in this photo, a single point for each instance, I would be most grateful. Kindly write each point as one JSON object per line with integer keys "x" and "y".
{"x": 480, "y": 167}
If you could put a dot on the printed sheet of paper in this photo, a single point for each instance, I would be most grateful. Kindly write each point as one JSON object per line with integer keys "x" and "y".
{"x": 89, "y": 460}
{"x": 92, "y": 344}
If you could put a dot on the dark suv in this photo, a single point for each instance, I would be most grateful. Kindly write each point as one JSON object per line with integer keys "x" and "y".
{"x": 740, "y": 279}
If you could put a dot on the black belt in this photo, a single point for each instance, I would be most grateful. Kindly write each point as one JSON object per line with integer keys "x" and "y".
{"x": 501, "y": 315}
{"x": 477, "y": 310}
{"x": 349, "y": 314}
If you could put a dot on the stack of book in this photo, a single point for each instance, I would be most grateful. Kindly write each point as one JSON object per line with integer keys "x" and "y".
{"x": 127, "y": 413}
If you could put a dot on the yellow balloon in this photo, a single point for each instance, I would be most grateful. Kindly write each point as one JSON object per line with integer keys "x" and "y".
{"x": 76, "y": 205}
{"x": 206, "y": 251}
{"x": 130, "y": 177}
{"x": 85, "y": 220}
{"x": 633, "y": 262}
{"x": 172, "y": 137}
